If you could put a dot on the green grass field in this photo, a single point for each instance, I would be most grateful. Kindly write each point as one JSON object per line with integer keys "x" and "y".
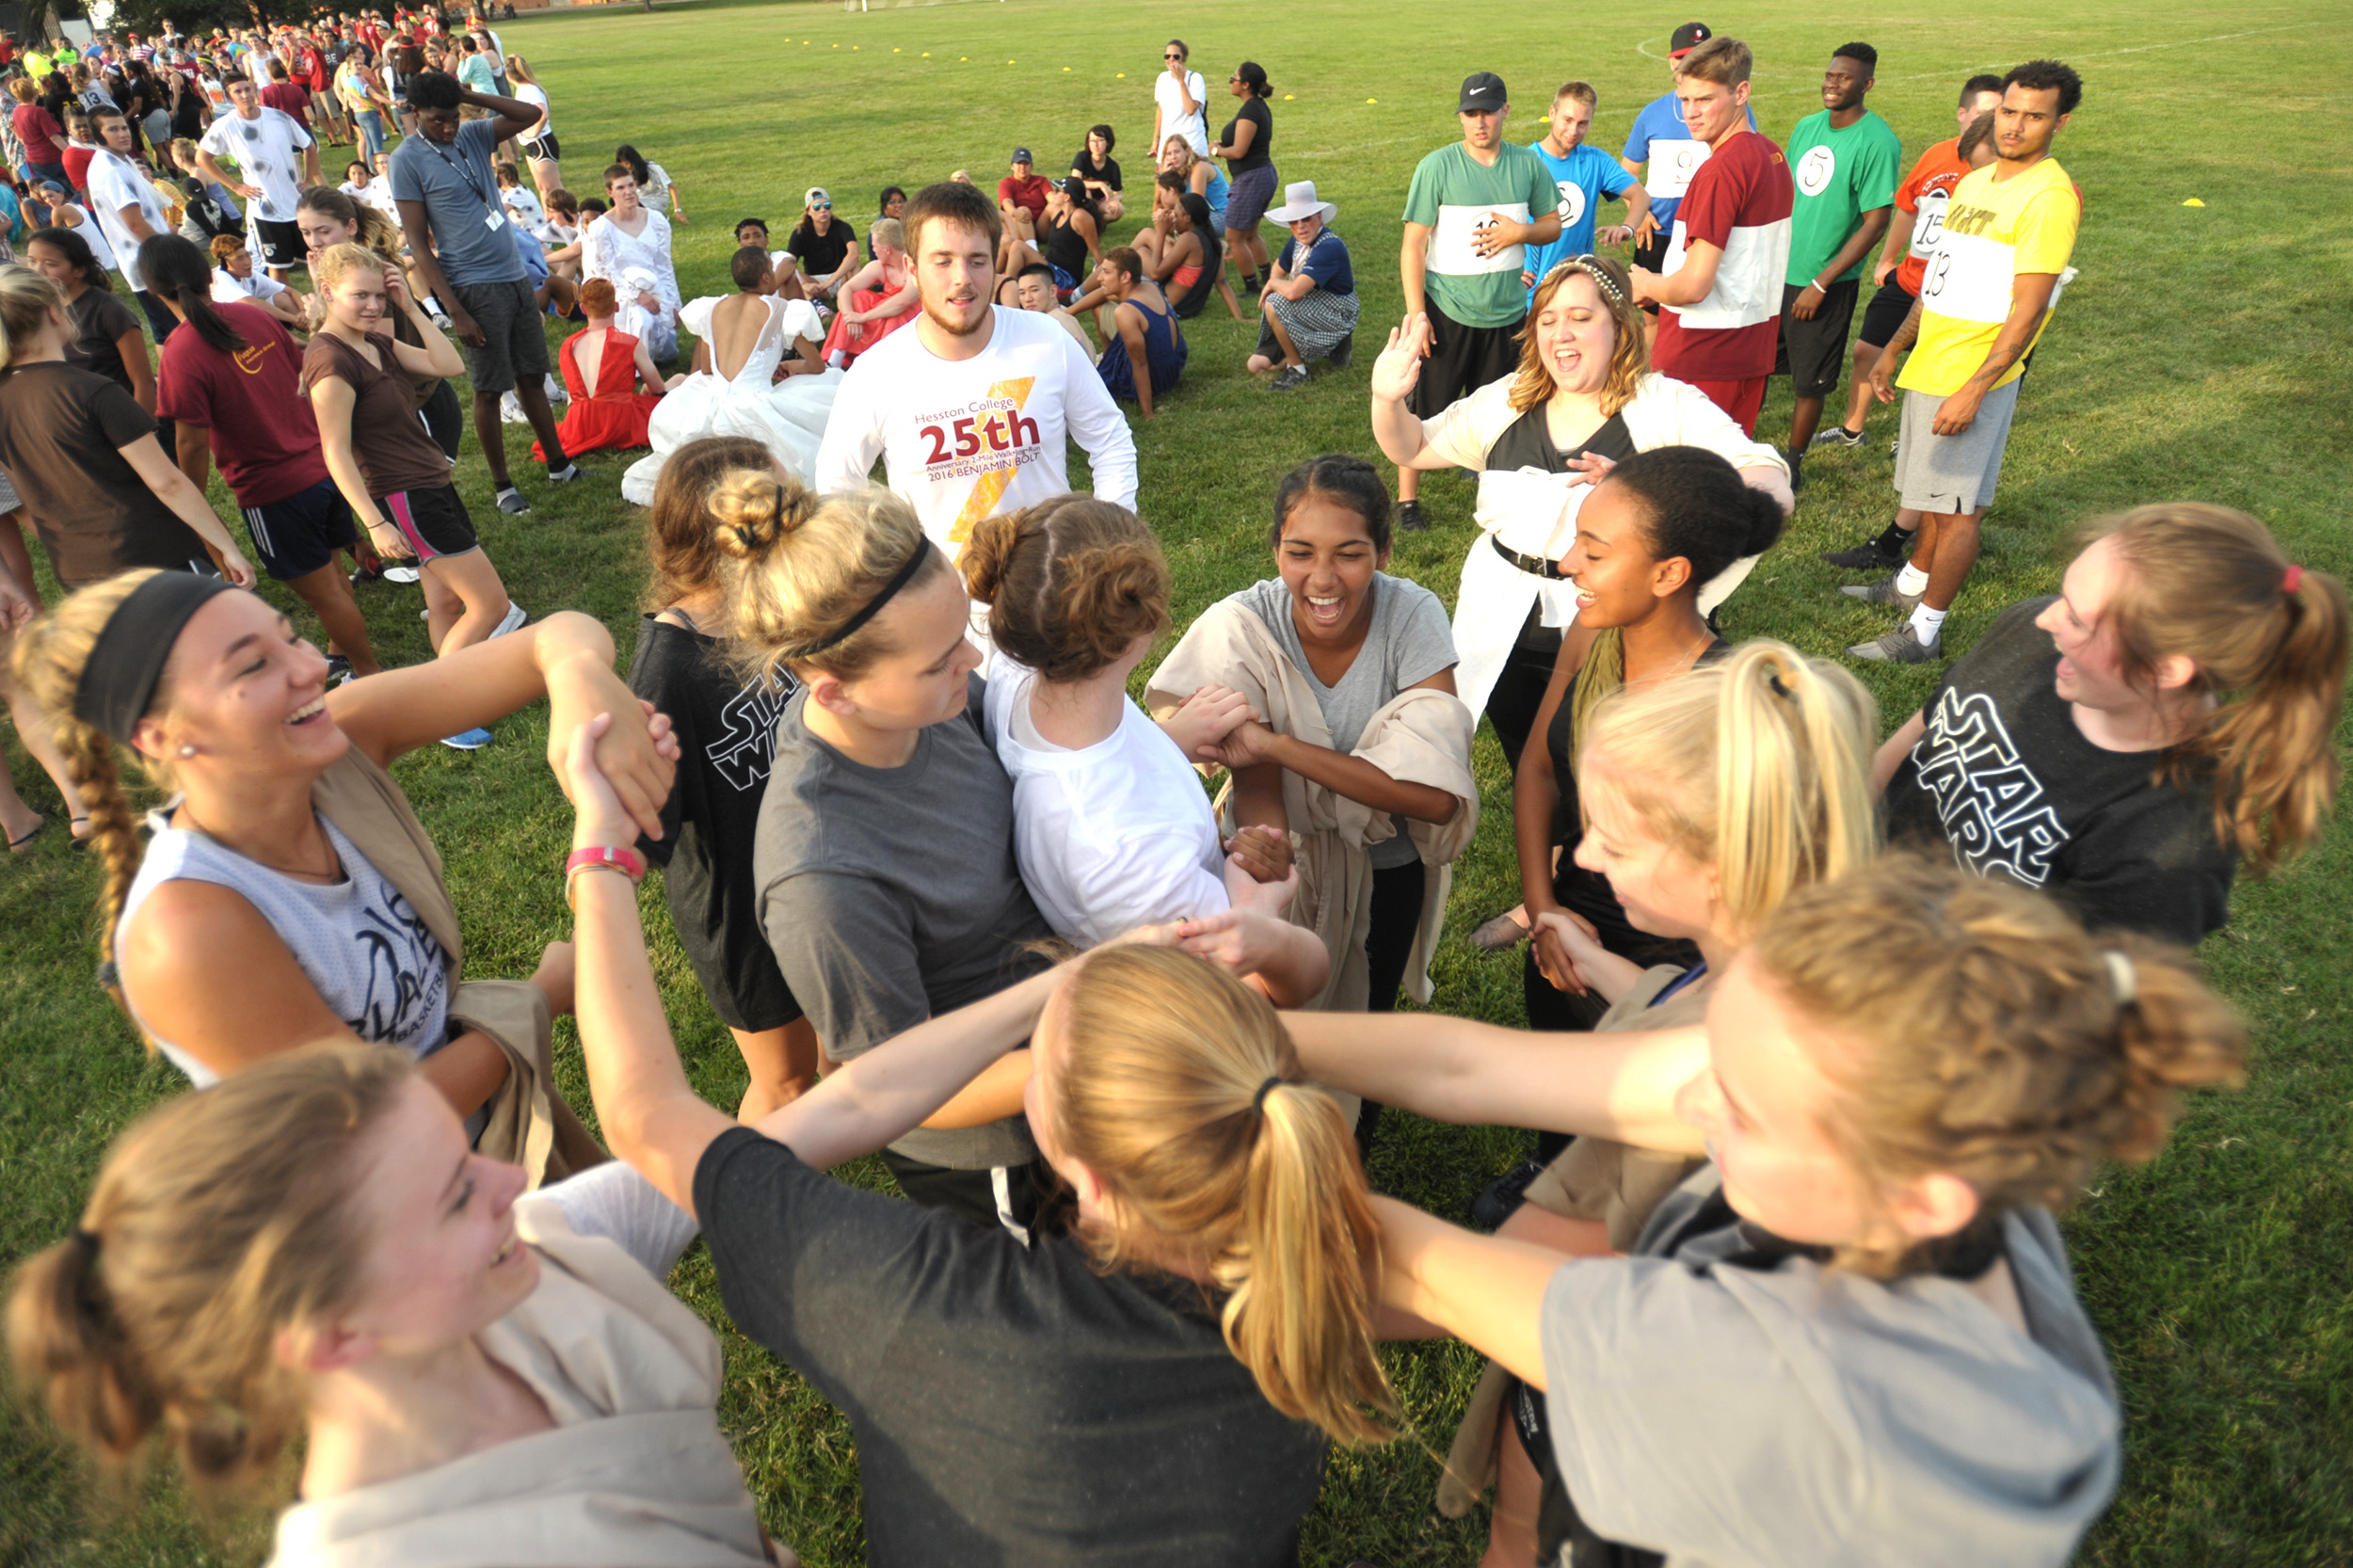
{"x": 2203, "y": 354}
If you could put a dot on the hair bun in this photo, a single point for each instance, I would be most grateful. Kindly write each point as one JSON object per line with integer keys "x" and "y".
{"x": 989, "y": 552}
{"x": 752, "y": 511}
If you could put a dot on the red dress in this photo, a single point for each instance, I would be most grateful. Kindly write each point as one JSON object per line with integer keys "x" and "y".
{"x": 851, "y": 338}
{"x": 617, "y": 415}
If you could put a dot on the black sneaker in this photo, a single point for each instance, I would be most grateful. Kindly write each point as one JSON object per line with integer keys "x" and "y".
{"x": 1870, "y": 555}
{"x": 1503, "y": 1196}
{"x": 1406, "y": 518}
{"x": 1837, "y": 434}
{"x": 1343, "y": 352}
{"x": 1289, "y": 378}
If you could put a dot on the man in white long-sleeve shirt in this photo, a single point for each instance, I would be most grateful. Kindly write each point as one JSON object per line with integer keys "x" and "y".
{"x": 971, "y": 411}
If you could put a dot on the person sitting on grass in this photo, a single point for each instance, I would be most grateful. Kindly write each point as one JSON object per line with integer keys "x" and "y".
{"x": 824, "y": 246}
{"x": 1021, "y": 200}
{"x": 1200, "y": 176}
{"x": 1309, "y": 304}
{"x": 234, "y": 281}
{"x": 1145, "y": 332}
{"x": 1033, "y": 290}
{"x": 881, "y": 297}
{"x": 1099, "y": 170}
{"x": 291, "y": 896}
{"x": 601, "y": 368}
{"x": 1183, "y": 251}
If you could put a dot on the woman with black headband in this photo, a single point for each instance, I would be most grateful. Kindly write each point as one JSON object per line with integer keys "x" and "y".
{"x": 884, "y": 870}
{"x": 289, "y": 894}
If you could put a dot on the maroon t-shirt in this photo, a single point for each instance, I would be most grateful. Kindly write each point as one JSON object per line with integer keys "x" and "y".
{"x": 34, "y": 126}
{"x": 1740, "y": 202}
{"x": 286, "y": 98}
{"x": 1030, "y": 193}
{"x": 264, "y": 437}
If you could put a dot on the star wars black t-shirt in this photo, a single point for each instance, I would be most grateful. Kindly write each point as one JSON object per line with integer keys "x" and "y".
{"x": 2005, "y": 777}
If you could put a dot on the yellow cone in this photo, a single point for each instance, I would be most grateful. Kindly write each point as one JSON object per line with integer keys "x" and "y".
{"x": 2193, "y": 201}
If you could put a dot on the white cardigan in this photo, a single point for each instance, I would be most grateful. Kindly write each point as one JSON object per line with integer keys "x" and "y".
{"x": 1534, "y": 513}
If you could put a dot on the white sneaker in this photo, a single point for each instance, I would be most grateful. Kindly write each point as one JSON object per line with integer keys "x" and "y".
{"x": 400, "y": 574}
{"x": 514, "y": 621}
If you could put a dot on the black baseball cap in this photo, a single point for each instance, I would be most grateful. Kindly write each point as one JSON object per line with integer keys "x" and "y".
{"x": 1021, "y": 155}
{"x": 1687, "y": 37}
{"x": 1482, "y": 93}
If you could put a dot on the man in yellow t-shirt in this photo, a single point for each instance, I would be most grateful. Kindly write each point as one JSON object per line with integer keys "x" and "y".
{"x": 1984, "y": 297}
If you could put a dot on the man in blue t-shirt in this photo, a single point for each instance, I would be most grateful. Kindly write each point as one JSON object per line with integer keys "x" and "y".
{"x": 463, "y": 248}
{"x": 1584, "y": 175}
{"x": 1661, "y": 141}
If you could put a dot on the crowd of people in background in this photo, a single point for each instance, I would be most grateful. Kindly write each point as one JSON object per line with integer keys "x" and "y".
{"x": 1851, "y": 1017}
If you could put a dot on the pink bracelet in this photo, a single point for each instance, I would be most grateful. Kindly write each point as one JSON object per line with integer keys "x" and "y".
{"x": 602, "y": 856}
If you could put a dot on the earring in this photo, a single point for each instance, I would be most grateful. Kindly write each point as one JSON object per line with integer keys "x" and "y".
{"x": 187, "y": 751}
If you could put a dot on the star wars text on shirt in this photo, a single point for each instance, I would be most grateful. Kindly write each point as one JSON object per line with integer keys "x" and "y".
{"x": 1994, "y": 809}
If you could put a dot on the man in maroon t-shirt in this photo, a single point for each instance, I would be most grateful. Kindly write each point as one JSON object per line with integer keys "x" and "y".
{"x": 1720, "y": 294}
{"x": 246, "y": 409}
{"x": 1021, "y": 197}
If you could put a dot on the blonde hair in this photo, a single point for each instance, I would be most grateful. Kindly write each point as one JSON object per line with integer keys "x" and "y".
{"x": 804, "y": 566}
{"x": 27, "y": 297}
{"x": 2210, "y": 585}
{"x": 1532, "y": 385}
{"x": 1758, "y": 766}
{"x": 1725, "y": 62}
{"x": 889, "y": 232}
{"x": 48, "y": 662}
{"x": 339, "y": 261}
{"x": 1159, "y": 1095}
{"x": 217, "y": 1220}
{"x": 1070, "y": 583}
{"x": 1968, "y": 1027}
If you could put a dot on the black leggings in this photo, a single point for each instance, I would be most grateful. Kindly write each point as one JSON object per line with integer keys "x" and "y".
{"x": 1397, "y": 893}
{"x": 444, "y": 418}
{"x": 1519, "y": 691}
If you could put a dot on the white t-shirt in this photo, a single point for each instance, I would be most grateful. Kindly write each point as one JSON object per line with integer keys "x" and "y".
{"x": 967, "y": 437}
{"x": 525, "y": 92}
{"x": 1109, "y": 837}
{"x": 230, "y": 288}
{"x": 1174, "y": 120}
{"x": 117, "y": 182}
{"x": 524, "y": 208}
{"x": 267, "y": 150}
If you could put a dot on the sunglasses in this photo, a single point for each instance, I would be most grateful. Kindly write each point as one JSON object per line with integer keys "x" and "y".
{"x": 822, "y": 207}
{"x": 1172, "y": 56}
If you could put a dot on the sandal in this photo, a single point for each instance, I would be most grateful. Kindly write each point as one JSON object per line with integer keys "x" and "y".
{"x": 1499, "y": 933}
{"x": 81, "y": 840}
{"x": 16, "y": 845}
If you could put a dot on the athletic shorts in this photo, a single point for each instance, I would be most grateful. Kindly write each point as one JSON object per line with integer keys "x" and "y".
{"x": 1246, "y": 198}
{"x": 1652, "y": 253}
{"x": 544, "y": 149}
{"x": 282, "y": 243}
{"x": 1461, "y": 360}
{"x": 432, "y": 521}
{"x": 1811, "y": 352}
{"x": 1884, "y": 313}
{"x": 296, "y": 536}
{"x": 1945, "y": 475}
{"x": 514, "y": 344}
{"x": 1006, "y": 1195}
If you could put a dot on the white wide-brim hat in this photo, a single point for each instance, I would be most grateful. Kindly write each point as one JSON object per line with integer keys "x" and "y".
{"x": 1299, "y": 200}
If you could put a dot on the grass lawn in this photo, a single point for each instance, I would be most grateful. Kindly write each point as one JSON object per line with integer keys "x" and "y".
{"x": 2203, "y": 354}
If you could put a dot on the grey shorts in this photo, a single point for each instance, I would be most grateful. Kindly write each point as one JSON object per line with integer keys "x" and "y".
{"x": 517, "y": 345}
{"x": 1945, "y": 475}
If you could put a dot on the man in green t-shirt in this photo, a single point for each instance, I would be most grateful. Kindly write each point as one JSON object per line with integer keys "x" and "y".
{"x": 1473, "y": 209}
{"x": 1845, "y": 163}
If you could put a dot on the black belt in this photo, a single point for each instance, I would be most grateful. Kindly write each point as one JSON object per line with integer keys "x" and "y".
{"x": 1535, "y": 566}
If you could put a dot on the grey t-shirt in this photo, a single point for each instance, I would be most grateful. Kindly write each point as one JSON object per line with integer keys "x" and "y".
{"x": 460, "y": 196}
{"x": 891, "y": 894}
{"x": 1409, "y": 641}
{"x": 1721, "y": 1410}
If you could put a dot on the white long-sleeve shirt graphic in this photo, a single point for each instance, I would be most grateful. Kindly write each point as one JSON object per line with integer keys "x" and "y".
{"x": 964, "y": 438}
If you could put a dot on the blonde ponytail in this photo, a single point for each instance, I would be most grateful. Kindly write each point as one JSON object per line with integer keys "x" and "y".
{"x": 1757, "y": 765}
{"x": 27, "y": 297}
{"x": 1180, "y": 1090}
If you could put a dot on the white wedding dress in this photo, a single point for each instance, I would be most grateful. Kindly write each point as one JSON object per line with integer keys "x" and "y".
{"x": 786, "y": 417}
{"x": 637, "y": 264}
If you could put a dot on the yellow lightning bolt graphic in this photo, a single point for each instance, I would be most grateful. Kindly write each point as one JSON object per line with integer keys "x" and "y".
{"x": 990, "y": 487}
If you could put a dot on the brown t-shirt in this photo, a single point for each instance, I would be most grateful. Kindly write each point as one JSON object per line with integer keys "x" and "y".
{"x": 61, "y": 432}
{"x": 394, "y": 450}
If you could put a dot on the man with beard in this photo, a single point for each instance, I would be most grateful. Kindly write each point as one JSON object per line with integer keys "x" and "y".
{"x": 1984, "y": 296}
{"x": 1583, "y": 174}
{"x": 971, "y": 411}
{"x": 1844, "y": 161}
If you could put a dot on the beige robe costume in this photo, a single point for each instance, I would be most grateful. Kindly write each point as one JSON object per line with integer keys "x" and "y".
{"x": 634, "y": 1474}
{"x": 1421, "y": 737}
{"x": 1593, "y": 1178}
{"x": 529, "y": 1123}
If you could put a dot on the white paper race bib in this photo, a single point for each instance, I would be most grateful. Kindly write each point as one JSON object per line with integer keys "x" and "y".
{"x": 1671, "y": 165}
{"x": 1572, "y": 207}
{"x": 1928, "y": 226}
{"x": 1450, "y": 250}
{"x": 1816, "y": 171}
{"x": 1969, "y": 278}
